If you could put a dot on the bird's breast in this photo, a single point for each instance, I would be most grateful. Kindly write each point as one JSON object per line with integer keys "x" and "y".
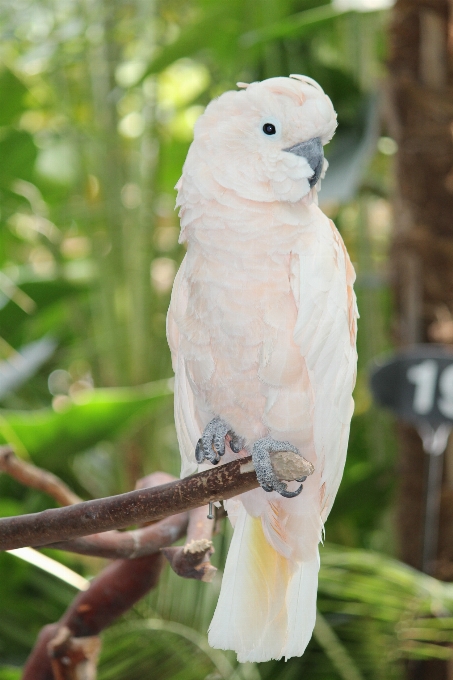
{"x": 237, "y": 335}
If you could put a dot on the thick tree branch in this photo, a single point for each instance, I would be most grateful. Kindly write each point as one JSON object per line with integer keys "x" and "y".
{"x": 143, "y": 505}
{"x": 112, "y": 593}
{"x": 36, "y": 478}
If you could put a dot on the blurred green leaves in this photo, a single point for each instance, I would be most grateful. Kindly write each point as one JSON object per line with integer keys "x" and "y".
{"x": 130, "y": 649}
{"x": 51, "y": 436}
{"x": 18, "y": 147}
{"x": 21, "y": 301}
{"x": 10, "y": 673}
{"x": 31, "y": 599}
{"x": 13, "y": 104}
{"x": 295, "y": 25}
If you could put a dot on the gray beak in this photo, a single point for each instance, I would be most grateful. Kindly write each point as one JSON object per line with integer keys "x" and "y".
{"x": 313, "y": 152}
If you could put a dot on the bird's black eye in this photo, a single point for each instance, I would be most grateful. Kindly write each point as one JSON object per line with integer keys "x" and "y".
{"x": 269, "y": 129}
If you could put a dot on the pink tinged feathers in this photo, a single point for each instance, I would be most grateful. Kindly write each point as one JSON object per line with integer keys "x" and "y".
{"x": 262, "y": 327}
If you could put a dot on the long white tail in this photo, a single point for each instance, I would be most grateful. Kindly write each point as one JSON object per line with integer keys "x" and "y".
{"x": 267, "y": 604}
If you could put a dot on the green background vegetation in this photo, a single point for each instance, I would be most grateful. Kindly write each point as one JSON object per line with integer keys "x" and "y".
{"x": 98, "y": 102}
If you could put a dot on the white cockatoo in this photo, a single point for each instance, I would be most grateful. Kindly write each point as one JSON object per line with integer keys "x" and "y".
{"x": 262, "y": 330}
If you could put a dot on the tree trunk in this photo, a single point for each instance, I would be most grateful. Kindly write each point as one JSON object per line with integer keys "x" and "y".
{"x": 421, "y": 121}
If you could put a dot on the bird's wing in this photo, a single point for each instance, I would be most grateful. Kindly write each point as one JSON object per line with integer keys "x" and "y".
{"x": 322, "y": 277}
{"x": 188, "y": 428}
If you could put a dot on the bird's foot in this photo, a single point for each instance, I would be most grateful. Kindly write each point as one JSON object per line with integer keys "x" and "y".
{"x": 263, "y": 466}
{"x": 211, "y": 445}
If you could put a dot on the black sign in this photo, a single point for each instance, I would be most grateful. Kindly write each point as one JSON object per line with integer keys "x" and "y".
{"x": 417, "y": 384}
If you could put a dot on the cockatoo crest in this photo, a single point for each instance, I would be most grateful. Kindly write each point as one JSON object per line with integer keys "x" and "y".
{"x": 250, "y": 141}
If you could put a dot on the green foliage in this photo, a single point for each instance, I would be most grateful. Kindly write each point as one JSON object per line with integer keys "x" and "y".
{"x": 92, "y": 416}
{"x": 36, "y": 296}
{"x": 131, "y": 648}
{"x": 14, "y": 102}
{"x": 375, "y": 612}
{"x": 10, "y": 673}
{"x": 30, "y": 599}
{"x": 19, "y": 148}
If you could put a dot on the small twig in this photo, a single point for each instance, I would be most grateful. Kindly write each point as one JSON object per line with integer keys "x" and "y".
{"x": 35, "y": 477}
{"x": 143, "y": 505}
{"x": 192, "y": 559}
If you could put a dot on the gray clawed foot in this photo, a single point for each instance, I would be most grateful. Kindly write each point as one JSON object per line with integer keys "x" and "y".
{"x": 211, "y": 445}
{"x": 263, "y": 466}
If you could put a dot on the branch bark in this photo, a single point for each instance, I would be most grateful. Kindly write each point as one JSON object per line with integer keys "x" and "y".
{"x": 128, "y": 544}
{"x": 142, "y": 505}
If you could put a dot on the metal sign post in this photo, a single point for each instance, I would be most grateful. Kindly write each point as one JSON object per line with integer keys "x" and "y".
{"x": 434, "y": 444}
{"x": 417, "y": 385}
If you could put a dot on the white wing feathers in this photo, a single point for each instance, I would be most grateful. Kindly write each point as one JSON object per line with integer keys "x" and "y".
{"x": 321, "y": 278}
{"x": 187, "y": 426}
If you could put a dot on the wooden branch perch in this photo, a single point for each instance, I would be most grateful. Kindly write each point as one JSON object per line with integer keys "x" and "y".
{"x": 143, "y": 505}
{"x": 111, "y": 544}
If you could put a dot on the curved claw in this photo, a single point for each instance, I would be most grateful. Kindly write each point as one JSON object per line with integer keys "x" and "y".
{"x": 291, "y": 494}
{"x": 199, "y": 453}
{"x": 263, "y": 466}
{"x": 301, "y": 479}
{"x": 211, "y": 445}
{"x": 236, "y": 443}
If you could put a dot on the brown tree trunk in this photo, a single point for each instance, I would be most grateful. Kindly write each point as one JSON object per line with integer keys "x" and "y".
{"x": 421, "y": 121}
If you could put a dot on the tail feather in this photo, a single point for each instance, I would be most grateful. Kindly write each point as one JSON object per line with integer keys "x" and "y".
{"x": 302, "y": 612}
{"x": 267, "y": 604}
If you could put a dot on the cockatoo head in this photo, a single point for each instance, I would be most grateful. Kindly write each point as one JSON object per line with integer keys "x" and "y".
{"x": 265, "y": 142}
